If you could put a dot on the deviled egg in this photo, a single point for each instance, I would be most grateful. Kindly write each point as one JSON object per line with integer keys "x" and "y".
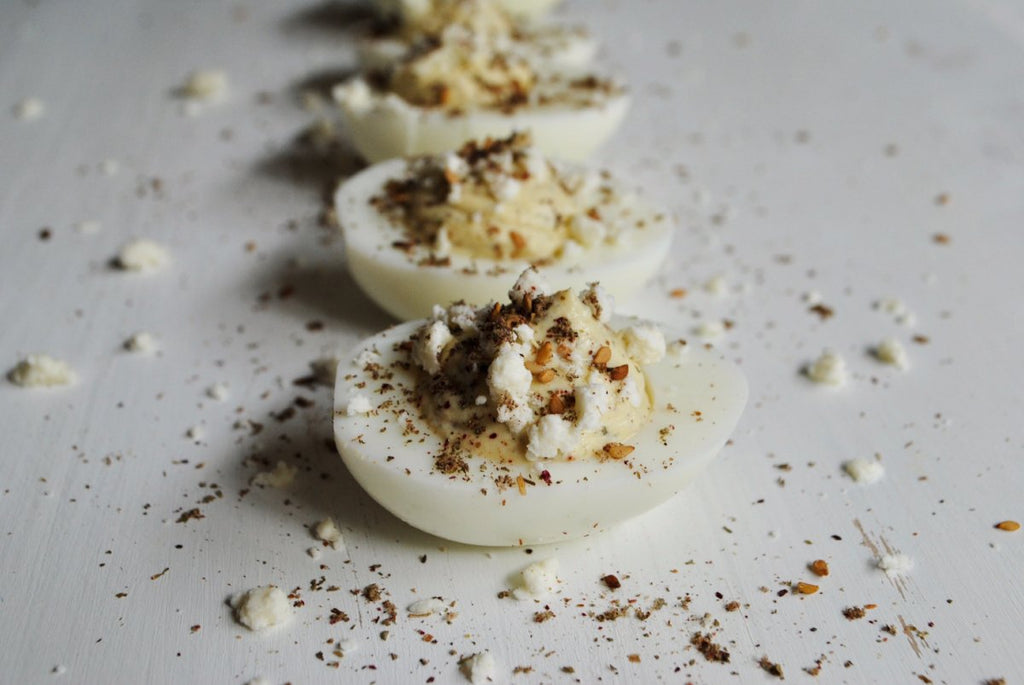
{"x": 552, "y": 45}
{"x": 532, "y": 421}
{"x": 415, "y": 9}
{"x": 462, "y": 225}
{"x": 462, "y": 85}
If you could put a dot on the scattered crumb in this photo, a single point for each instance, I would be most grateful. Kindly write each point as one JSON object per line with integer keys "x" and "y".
{"x": 805, "y": 588}
{"x": 717, "y": 286}
{"x": 358, "y": 404}
{"x": 709, "y": 649}
{"x": 538, "y": 580}
{"x": 217, "y": 391}
{"x": 771, "y": 667}
{"x": 1008, "y": 526}
{"x": 41, "y": 370}
{"x": 854, "y": 613}
{"x": 143, "y": 255}
{"x": 891, "y": 351}
{"x": 90, "y": 227}
{"x": 314, "y": 552}
{"x": 328, "y": 531}
{"x": 59, "y": 669}
{"x": 828, "y": 369}
{"x": 425, "y": 607}
{"x": 710, "y": 329}
{"x": 262, "y": 607}
{"x": 479, "y": 668}
{"x": 29, "y": 109}
{"x": 142, "y": 342}
{"x": 195, "y": 433}
{"x": 282, "y": 476}
{"x": 819, "y": 567}
{"x": 864, "y": 470}
{"x": 895, "y": 564}
{"x": 205, "y": 84}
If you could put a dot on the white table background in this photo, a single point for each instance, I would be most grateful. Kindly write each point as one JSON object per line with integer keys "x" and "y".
{"x": 802, "y": 145}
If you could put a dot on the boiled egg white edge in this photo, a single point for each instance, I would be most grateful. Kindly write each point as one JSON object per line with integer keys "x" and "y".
{"x": 586, "y": 496}
{"x": 383, "y": 125}
{"x": 409, "y": 291}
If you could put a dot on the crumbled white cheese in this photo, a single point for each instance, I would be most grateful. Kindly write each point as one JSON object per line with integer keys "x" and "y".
{"x": 892, "y": 351}
{"x": 142, "y": 255}
{"x": 442, "y": 243}
{"x": 41, "y": 370}
{"x": 645, "y": 343}
{"x": 829, "y": 369}
{"x": 463, "y": 316}
{"x": 538, "y": 580}
{"x": 314, "y": 552}
{"x": 425, "y": 607}
{"x": 898, "y": 309}
{"x": 217, "y": 391}
{"x": 480, "y": 668}
{"x": 593, "y": 400}
{"x": 205, "y": 84}
{"x": 551, "y": 438}
{"x": 346, "y": 646}
{"x": 896, "y": 564}
{"x": 282, "y": 476}
{"x": 509, "y": 382}
{"x": 717, "y": 286}
{"x": 358, "y": 404}
{"x": 142, "y": 342}
{"x": 328, "y": 531}
{"x": 505, "y": 187}
{"x": 29, "y": 109}
{"x": 599, "y": 301}
{"x": 864, "y": 470}
{"x": 262, "y": 607}
{"x": 109, "y": 167}
{"x": 711, "y": 329}
{"x": 586, "y": 231}
{"x": 89, "y": 227}
{"x": 529, "y": 283}
{"x": 429, "y": 344}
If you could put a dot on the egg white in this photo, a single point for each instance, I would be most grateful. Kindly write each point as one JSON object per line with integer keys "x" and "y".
{"x": 585, "y": 496}
{"x": 526, "y": 9}
{"x": 408, "y": 290}
{"x": 383, "y": 125}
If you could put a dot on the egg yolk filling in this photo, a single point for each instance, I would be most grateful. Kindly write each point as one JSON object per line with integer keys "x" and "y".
{"x": 541, "y": 378}
{"x": 496, "y": 199}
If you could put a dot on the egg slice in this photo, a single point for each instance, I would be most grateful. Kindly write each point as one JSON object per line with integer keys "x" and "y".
{"x": 382, "y": 125}
{"x": 614, "y": 237}
{"x": 381, "y": 433}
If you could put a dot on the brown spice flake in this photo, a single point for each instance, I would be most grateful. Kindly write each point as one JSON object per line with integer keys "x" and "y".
{"x": 732, "y": 606}
{"x": 541, "y": 616}
{"x": 190, "y": 515}
{"x": 195, "y": 629}
{"x": 819, "y": 567}
{"x": 822, "y": 311}
{"x": 1009, "y": 526}
{"x": 371, "y": 592}
{"x": 854, "y": 613}
{"x": 677, "y": 293}
{"x": 805, "y": 588}
{"x": 709, "y": 649}
{"x": 612, "y": 581}
{"x": 618, "y": 450}
{"x": 633, "y": 658}
{"x": 771, "y": 667}
{"x": 940, "y": 239}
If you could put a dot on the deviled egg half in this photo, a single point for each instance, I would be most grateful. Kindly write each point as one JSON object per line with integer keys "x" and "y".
{"x": 419, "y": 9}
{"x": 463, "y": 225}
{"x": 551, "y": 45}
{"x": 532, "y": 421}
{"x": 463, "y": 84}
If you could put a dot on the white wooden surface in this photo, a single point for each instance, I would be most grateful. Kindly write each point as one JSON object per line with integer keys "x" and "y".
{"x": 803, "y": 146}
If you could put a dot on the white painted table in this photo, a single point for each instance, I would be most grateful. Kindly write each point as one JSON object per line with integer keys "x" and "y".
{"x": 807, "y": 147}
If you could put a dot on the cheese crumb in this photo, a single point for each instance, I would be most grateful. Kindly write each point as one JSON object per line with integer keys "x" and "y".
{"x": 218, "y": 391}
{"x": 551, "y": 438}
{"x": 538, "y": 580}
{"x": 141, "y": 342}
{"x": 429, "y": 344}
{"x": 89, "y": 227}
{"x": 143, "y": 255}
{"x": 711, "y": 329}
{"x": 328, "y": 531}
{"x": 864, "y": 470}
{"x": 358, "y": 404}
{"x": 29, "y": 109}
{"x": 645, "y": 343}
{"x": 282, "y": 476}
{"x": 41, "y": 370}
{"x": 205, "y": 84}
{"x": 891, "y": 351}
{"x": 314, "y": 552}
{"x": 895, "y": 565}
{"x": 529, "y": 283}
{"x": 480, "y": 668}
{"x": 262, "y": 607}
{"x": 425, "y": 607}
{"x": 829, "y": 369}
{"x": 717, "y": 286}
